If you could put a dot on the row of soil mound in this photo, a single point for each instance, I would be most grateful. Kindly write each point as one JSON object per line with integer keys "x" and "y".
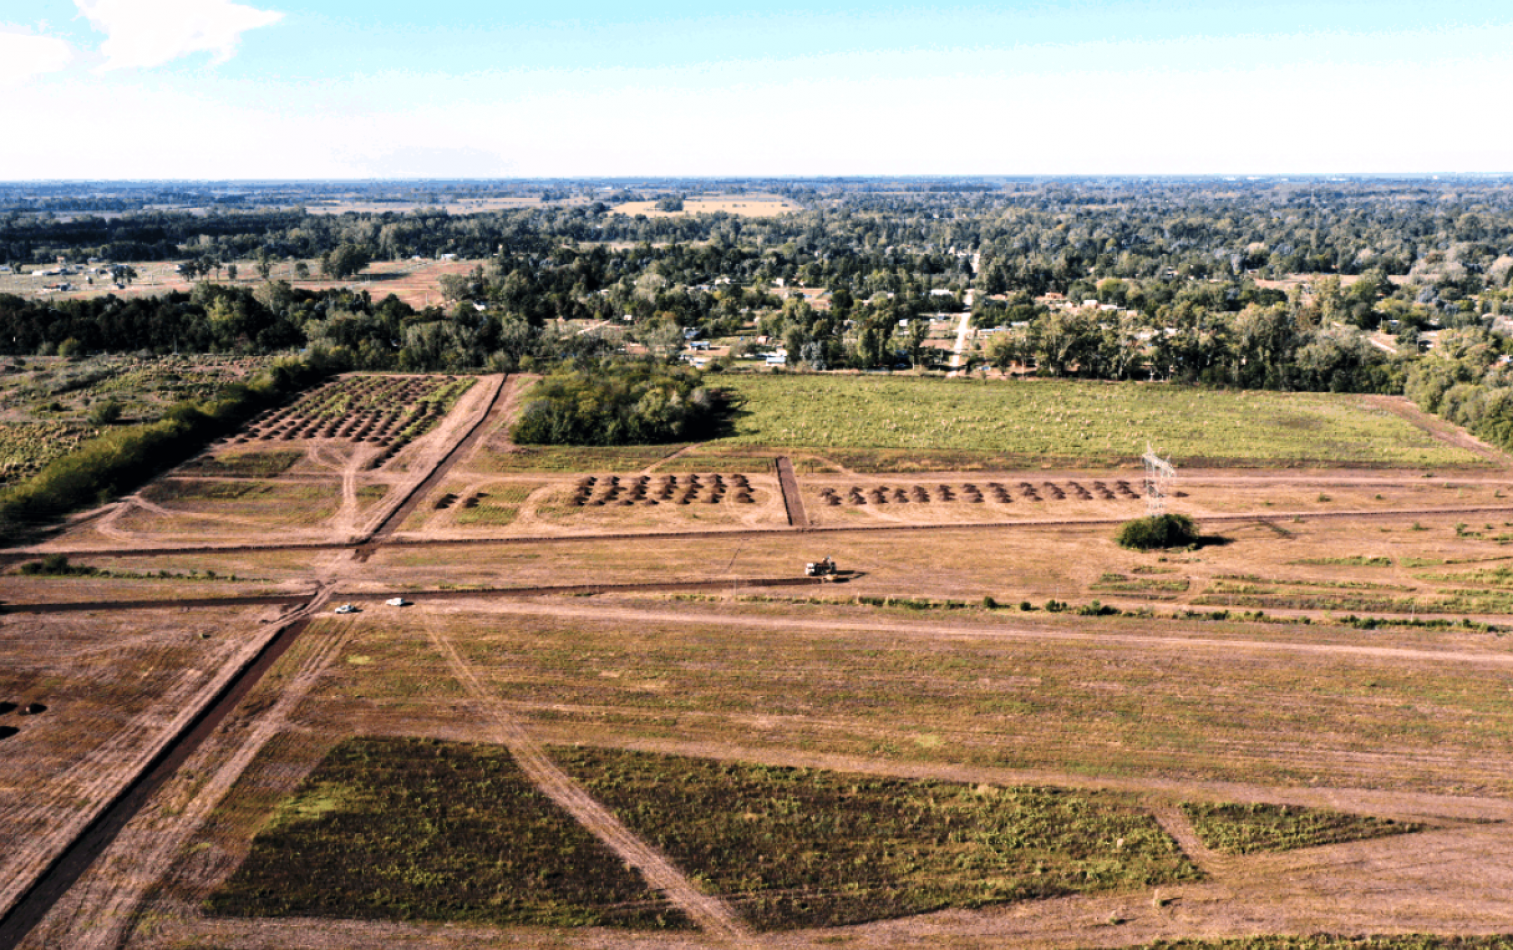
{"x": 388, "y": 412}
{"x": 599, "y": 490}
{"x": 971, "y": 493}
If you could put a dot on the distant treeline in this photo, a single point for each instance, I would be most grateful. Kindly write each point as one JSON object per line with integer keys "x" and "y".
{"x": 350, "y": 329}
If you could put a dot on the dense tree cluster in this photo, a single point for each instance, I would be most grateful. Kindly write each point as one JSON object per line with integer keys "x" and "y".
{"x": 620, "y": 403}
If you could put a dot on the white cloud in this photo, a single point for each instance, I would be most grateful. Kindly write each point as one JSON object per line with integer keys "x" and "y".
{"x": 24, "y": 56}
{"x": 146, "y": 33}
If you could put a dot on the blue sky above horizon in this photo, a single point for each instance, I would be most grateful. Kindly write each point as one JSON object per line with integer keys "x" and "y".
{"x": 339, "y": 88}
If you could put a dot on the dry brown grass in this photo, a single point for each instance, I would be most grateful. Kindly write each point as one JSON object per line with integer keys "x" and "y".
{"x": 115, "y": 686}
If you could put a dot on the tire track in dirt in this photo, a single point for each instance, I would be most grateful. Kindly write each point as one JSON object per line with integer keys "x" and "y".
{"x": 1175, "y": 823}
{"x": 89, "y": 898}
{"x": 97, "y": 777}
{"x": 1437, "y": 428}
{"x": 710, "y": 913}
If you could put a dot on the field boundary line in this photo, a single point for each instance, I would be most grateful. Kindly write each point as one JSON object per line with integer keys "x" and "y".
{"x": 101, "y": 913}
{"x": 251, "y": 600}
{"x": 711, "y": 913}
{"x": 578, "y": 589}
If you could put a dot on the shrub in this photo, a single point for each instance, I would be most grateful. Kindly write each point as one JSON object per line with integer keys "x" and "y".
{"x": 1157, "y": 531}
{"x": 105, "y": 413}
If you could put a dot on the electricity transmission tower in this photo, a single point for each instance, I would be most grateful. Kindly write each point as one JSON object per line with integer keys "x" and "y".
{"x": 1159, "y": 475}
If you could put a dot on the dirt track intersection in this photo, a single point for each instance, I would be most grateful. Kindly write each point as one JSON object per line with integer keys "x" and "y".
{"x": 902, "y": 670}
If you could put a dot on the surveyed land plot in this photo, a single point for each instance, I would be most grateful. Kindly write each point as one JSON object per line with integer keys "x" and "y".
{"x": 878, "y": 424}
{"x": 88, "y": 700}
{"x": 318, "y": 469}
{"x": 1112, "y": 697}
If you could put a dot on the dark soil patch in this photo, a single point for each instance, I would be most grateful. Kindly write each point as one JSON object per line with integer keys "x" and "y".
{"x": 412, "y": 829}
{"x": 796, "y": 848}
{"x": 1252, "y": 828}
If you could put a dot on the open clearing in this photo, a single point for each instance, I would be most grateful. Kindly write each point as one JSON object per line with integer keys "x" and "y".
{"x": 745, "y": 206}
{"x": 414, "y": 282}
{"x": 788, "y": 767}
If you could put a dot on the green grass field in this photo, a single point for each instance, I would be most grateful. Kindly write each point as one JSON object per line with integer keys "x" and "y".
{"x": 1253, "y": 828}
{"x": 811, "y": 848}
{"x": 1073, "y": 421}
{"x": 416, "y": 829}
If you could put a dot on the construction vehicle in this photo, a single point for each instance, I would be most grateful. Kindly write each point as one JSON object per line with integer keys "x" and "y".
{"x": 821, "y": 568}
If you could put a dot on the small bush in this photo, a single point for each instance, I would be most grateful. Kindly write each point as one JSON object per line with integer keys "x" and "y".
{"x": 55, "y": 565}
{"x": 105, "y": 413}
{"x": 1158, "y": 531}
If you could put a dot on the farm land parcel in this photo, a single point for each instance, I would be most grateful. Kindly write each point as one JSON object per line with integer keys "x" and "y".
{"x": 969, "y": 425}
{"x": 863, "y": 736}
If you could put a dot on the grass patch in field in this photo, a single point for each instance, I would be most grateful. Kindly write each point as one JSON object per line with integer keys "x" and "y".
{"x": 903, "y": 462}
{"x": 1120, "y": 584}
{"x": 1297, "y": 582}
{"x": 181, "y": 490}
{"x": 497, "y": 507}
{"x": 559, "y": 458}
{"x": 797, "y": 848}
{"x": 718, "y": 463}
{"x": 246, "y": 464}
{"x": 1359, "y": 560}
{"x": 1252, "y": 828}
{"x": 1075, "y": 420}
{"x": 416, "y": 829}
{"x": 27, "y": 447}
{"x": 1500, "y": 578}
{"x": 494, "y": 516}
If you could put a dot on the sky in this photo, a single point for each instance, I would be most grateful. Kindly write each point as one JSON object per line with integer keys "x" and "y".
{"x": 300, "y": 89}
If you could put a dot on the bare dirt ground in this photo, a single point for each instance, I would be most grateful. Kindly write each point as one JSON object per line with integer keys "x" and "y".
{"x": 116, "y": 687}
{"x": 1403, "y": 722}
